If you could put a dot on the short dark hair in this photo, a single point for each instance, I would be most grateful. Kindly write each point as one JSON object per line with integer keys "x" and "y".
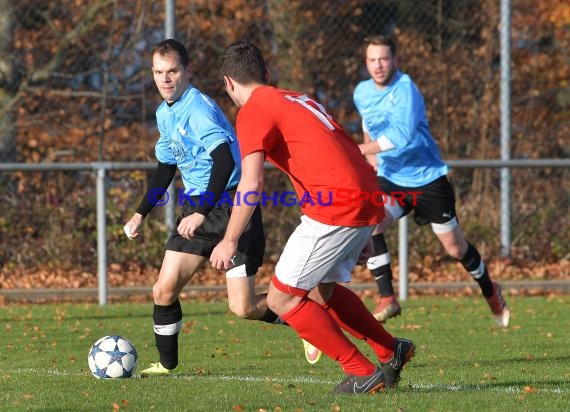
{"x": 243, "y": 62}
{"x": 379, "y": 40}
{"x": 168, "y": 45}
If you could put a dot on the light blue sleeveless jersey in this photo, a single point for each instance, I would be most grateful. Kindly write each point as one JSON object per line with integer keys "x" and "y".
{"x": 398, "y": 113}
{"x": 190, "y": 130}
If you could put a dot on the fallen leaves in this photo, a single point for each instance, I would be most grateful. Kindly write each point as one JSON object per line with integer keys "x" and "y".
{"x": 530, "y": 389}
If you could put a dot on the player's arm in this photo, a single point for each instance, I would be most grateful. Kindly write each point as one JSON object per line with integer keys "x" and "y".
{"x": 405, "y": 115}
{"x": 162, "y": 174}
{"x": 371, "y": 147}
{"x": 222, "y": 167}
{"x": 370, "y": 158}
{"x": 158, "y": 184}
{"x": 249, "y": 189}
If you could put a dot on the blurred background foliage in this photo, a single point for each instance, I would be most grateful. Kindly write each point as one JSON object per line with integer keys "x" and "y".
{"x": 76, "y": 86}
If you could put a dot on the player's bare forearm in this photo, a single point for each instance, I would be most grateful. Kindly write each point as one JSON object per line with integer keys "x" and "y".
{"x": 240, "y": 217}
{"x": 248, "y": 192}
{"x": 224, "y": 252}
{"x": 369, "y": 148}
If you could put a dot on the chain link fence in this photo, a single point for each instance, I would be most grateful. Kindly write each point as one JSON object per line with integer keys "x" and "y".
{"x": 75, "y": 85}
{"x": 76, "y": 71}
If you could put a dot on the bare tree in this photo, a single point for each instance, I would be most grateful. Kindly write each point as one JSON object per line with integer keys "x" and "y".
{"x": 7, "y": 85}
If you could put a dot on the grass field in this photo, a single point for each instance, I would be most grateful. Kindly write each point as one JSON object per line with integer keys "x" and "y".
{"x": 463, "y": 362}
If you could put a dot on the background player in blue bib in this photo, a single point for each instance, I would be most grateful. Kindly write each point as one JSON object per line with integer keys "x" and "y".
{"x": 399, "y": 144}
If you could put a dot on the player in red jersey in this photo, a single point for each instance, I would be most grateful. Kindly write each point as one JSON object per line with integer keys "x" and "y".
{"x": 334, "y": 184}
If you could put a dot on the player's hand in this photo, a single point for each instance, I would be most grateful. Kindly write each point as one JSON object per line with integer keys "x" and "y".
{"x": 367, "y": 252}
{"x": 223, "y": 254}
{"x": 190, "y": 224}
{"x": 133, "y": 225}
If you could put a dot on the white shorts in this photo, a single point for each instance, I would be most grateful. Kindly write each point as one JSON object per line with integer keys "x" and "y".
{"x": 319, "y": 253}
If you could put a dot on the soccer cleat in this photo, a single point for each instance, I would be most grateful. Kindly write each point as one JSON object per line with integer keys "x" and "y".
{"x": 403, "y": 353}
{"x": 361, "y": 384}
{"x": 499, "y": 307}
{"x": 156, "y": 369}
{"x": 386, "y": 308}
{"x": 312, "y": 353}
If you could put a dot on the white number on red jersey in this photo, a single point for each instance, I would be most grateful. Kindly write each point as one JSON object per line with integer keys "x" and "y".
{"x": 321, "y": 113}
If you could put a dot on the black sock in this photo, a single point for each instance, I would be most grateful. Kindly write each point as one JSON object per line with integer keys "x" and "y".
{"x": 473, "y": 263}
{"x": 383, "y": 273}
{"x": 167, "y": 323}
{"x": 383, "y": 277}
{"x": 270, "y": 317}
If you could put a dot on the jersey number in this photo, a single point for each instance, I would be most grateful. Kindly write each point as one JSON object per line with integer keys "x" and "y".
{"x": 321, "y": 113}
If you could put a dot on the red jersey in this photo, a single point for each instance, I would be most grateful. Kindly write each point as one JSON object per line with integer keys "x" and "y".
{"x": 334, "y": 183}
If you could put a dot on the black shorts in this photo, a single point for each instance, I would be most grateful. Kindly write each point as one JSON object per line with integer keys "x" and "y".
{"x": 251, "y": 244}
{"x": 432, "y": 203}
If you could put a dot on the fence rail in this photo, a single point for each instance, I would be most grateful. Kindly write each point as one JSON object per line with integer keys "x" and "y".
{"x": 101, "y": 168}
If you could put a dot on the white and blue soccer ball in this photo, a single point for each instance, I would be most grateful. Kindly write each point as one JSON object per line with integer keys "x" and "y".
{"x": 112, "y": 357}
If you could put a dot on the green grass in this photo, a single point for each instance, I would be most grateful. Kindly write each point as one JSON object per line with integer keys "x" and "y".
{"x": 463, "y": 362}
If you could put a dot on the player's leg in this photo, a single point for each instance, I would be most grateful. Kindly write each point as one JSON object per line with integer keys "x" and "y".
{"x": 240, "y": 279}
{"x": 439, "y": 208}
{"x": 313, "y": 324}
{"x": 309, "y": 254}
{"x": 313, "y": 252}
{"x": 456, "y": 246}
{"x": 177, "y": 269}
{"x": 380, "y": 264}
{"x": 350, "y": 314}
{"x": 245, "y": 303}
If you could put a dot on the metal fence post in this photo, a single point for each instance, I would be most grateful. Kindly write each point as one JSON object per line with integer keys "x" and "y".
{"x": 101, "y": 236}
{"x": 170, "y": 33}
{"x": 169, "y": 19}
{"x": 403, "y": 257}
{"x": 505, "y": 127}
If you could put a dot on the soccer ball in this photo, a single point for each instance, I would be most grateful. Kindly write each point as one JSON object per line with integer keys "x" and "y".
{"x": 112, "y": 357}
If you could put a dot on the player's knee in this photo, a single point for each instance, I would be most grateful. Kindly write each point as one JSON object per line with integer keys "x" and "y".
{"x": 241, "y": 309}
{"x": 163, "y": 296}
{"x": 275, "y": 304}
{"x": 455, "y": 250}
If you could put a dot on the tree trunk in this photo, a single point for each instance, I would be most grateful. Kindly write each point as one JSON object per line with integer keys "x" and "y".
{"x": 288, "y": 29}
{"x": 7, "y": 85}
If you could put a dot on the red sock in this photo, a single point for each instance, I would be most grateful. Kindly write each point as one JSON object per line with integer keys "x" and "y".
{"x": 348, "y": 310}
{"x": 314, "y": 324}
